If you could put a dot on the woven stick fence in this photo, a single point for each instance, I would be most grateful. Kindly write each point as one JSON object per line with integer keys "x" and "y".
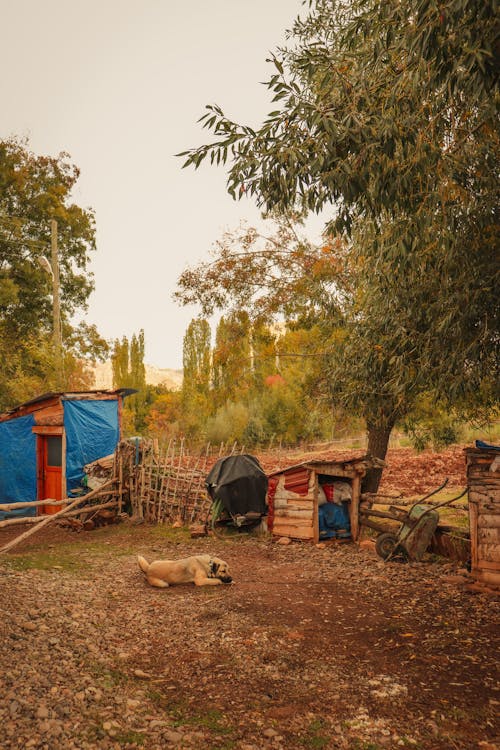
{"x": 166, "y": 484}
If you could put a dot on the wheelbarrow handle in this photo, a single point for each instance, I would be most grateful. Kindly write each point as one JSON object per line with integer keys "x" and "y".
{"x": 432, "y": 507}
{"x": 434, "y": 491}
{"x": 452, "y": 500}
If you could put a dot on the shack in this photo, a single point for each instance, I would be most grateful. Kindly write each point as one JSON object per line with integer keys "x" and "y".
{"x": 317, "y": 499}
{"x": 483, "y": 482}
{"x": 46, "y": 442}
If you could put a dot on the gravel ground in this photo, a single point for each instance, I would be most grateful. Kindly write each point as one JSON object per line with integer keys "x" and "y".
{"x": 312, "y": 647}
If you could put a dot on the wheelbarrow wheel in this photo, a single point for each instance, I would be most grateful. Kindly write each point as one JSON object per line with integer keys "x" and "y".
{"x": 385, "y": 544}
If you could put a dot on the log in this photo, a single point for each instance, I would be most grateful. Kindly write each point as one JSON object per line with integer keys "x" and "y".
{"x": 91, "y": 509}
{"x": 48, "y": 519}
{"x": 7, "y": 507}
{"x": 19, "y": 521}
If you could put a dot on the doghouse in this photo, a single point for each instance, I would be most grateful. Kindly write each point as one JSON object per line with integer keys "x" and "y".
{"x": 317, "y": 500}
{"x": 483, "y": 481}
{"x": 46, "y": 442}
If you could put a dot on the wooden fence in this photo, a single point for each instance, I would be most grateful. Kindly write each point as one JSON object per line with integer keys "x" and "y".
{"x": 167, "y": 484}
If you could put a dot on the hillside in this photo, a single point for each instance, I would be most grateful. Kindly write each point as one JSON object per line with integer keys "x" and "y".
{"x": 103, "y": 374}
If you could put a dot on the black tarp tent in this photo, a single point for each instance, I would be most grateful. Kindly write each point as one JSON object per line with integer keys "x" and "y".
{"x": 239, "y": 483}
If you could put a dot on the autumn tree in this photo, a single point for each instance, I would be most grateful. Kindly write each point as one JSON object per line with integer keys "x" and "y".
{"x": 196, "y": 360}
{"x": 34, "y": 190}
{"x": 164, "y": 418}
{"x": 271, "y": 282}
{"x": 387, "y": 118}
{"x": 231, "y": 358}
{"x": 127, "y": 361}
{"x": 120, "y": 363}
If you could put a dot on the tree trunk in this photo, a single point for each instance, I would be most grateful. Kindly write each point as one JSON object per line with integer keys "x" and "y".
{"x": 378, "y": 440}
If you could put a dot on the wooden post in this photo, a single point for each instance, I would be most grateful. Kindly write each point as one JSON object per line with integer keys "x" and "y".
{"x": 315, "y": 515}
{"x": 354, "y": 507}
{"x": 56, "y": 307}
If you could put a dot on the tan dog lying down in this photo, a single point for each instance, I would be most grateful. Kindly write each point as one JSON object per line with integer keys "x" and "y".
{"x": 202, "y": 570}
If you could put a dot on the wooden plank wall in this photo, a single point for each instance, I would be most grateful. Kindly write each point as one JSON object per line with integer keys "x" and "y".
{"x": 483, "y": 479}
{"x": 294, "y": 513}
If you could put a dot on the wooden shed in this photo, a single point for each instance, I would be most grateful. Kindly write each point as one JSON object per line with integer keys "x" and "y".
{"x": 483, "y": 481}
{"x": 317, "y": 499}
{"x": 46, "y": 442}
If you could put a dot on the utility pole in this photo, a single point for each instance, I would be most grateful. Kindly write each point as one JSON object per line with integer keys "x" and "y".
{"x": 56, "y": 308}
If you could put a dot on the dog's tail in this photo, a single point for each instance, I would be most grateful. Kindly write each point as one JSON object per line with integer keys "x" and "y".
{"x": 143, "y": 564}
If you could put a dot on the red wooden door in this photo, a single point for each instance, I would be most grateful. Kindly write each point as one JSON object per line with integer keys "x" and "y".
{"x": 50, "y": 471}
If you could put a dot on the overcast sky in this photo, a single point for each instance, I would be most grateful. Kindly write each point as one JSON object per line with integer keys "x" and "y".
{"x": 120, "y": 85}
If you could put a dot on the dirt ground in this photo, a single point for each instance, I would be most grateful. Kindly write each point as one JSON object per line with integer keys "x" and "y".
{"x": 312, "y": 647}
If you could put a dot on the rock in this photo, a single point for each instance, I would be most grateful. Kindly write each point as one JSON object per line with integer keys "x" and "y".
{"x": 270, "y": 733}
{"x": 142, "y": 675}
{"x": 197, "y": 531}
{"x": 284, "y": 540}
{"x": 157, "y": 723}
{"x": 173, "y": 737}
{"x": 42, "y": 712}
{"x": 132, "y": 703}
{"x": 454, "y": 579}
{"x": 368, "y": 544}
{"x": 31, "y": 626}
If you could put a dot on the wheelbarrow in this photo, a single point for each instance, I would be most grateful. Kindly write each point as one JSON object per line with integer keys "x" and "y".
{"x": 415, "y": 533}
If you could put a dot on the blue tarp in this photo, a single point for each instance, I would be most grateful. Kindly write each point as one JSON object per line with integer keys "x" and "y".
{"x": 486, "y": 446}
{"x": 333, "y": 521}
{"x": 91, "y": 433}
{"x": 18, "y": 464}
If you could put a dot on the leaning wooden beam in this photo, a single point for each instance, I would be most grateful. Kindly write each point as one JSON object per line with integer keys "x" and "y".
{"x": 39, "y": 519}
{"x": 32, "y": 504}
{"x": 92, "y": 508}
{"x": 19, "y": 521}
{"x": 48, "y": 519}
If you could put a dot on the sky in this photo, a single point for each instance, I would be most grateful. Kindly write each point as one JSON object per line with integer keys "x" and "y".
{"x": 119, "y": 85}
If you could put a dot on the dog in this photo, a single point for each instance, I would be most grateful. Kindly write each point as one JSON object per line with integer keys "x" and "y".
{"x": 202, "y": 570}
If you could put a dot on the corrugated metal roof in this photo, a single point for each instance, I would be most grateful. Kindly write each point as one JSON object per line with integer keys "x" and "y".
{"x": 68, "y": 395}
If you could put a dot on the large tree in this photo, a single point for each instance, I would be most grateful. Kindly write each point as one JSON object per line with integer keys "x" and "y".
{"x": 34, "y": 191}
{"x": 387, "y": 116}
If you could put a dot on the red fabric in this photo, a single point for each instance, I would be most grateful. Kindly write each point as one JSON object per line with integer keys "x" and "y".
{"x": 328, "y": 488}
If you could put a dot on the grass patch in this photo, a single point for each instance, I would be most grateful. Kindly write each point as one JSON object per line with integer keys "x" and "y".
{"x": 168, "y": 534}
{"x": 212, "y": 720}
{"x": 108, "y": 677}
{"x": 181, "y": 715}
{"x": 62, "y": 559}
{"x": 315, "y": 737}
{"x": 130, "y": 738}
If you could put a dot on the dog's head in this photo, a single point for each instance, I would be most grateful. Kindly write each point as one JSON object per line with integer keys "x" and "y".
{"x": 220, "y": 569}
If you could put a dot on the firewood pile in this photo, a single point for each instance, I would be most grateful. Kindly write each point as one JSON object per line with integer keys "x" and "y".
{"x": 99, "y": 471}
